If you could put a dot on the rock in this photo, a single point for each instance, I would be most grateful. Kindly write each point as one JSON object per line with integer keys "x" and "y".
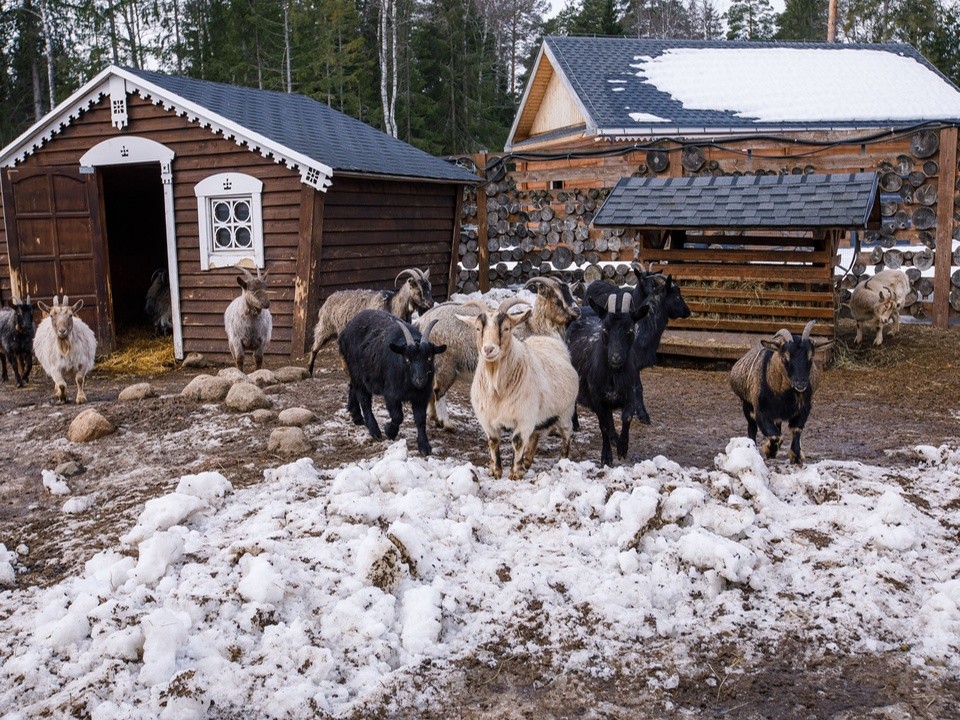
{"x": 263, "y": 378}
{"x": 274, "y": 389}
{"x": 297, "y": 416}
{"x": 89, "y": 425}
{"x": 137, "y": 392}
{"x": 289, "y": 441}
{"x": 291, "y": 373}
{"x": 233, "y": 375}
{"x": 246, "y": 397}
{"x": 263, "y": 416}
{"x": 195, "y": 360}
{"x": 71, "y": 468}
{"x": 206, "y": 388}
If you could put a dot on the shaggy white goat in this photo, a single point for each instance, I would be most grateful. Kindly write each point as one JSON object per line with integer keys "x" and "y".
{"x": 878, "y": 301}
{"x": 65, "y": 346}
{"x": 525, "y": 386}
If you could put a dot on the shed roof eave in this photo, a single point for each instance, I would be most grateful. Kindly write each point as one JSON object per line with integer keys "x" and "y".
{"x": 661, "y": 130}
{"x": 404, "y": 178}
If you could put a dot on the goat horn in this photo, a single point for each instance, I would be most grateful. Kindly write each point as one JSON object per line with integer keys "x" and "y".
{"x": 406, "y": 331}
{"x": 425, "y": 335}
{"x": 245, "y": 272}
{"x": 625, "y": 301}
{"x": 477, "y": 304}
{"x": 807, "y": 329}
{"x": 612, "y": 303}
{"x": 509, "y": 303}
{"x": 535, "y": 281}
{"x": 412, "y": 272}
{"x": 784, "y": 335}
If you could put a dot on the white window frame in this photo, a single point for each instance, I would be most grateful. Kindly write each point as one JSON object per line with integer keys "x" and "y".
{"x": 229, "y": 186}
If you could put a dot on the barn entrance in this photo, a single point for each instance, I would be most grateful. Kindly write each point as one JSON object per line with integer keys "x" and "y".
{"x": 136, "y": 240}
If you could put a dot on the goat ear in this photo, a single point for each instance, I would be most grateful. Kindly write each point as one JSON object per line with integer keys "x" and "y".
{"x": 76, "y": 306}
{"x": 772, "y": 345}
{"x": 437, "y": 349}
{"x": 823, "y": 344}
{"x": 468, "y": 319}
{"x": 639, "y": 312}
{"x": 426, "y": 274}
{"x": 599, "y": 309}
{"x": 519, "y": 317}
{"x": 241, "y": 282}
{"x": 398, "y": 348}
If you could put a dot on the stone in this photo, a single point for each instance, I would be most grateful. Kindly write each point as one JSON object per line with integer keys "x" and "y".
{"x": 89, "y": 425}
{"x": 263, "y": 416}
{"x": 195, "y": 360}
{"x": 289, "y": 441}
{"x": 233, "y": 375}
{"x": 139, "y": 391}
{"x": 291, "y": 373}
{"x": 206, "y": 388}
{"x": 69, "y": 469}
{"x": 298, "y": 416}
{"x": 263, "y": 377}
{"x": 246, "y": 397}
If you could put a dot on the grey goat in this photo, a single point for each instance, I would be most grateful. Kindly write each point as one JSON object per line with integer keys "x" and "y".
{"x": 247, "y": 319}
{"x": 413, "y": 296}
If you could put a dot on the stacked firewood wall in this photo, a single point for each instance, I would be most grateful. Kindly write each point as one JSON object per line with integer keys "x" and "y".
{"x": 537, "y": 218}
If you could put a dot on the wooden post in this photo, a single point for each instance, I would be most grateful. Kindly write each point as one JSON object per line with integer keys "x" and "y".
{"x": 832, "y": 21}
{"x": 945, "y": 188}
{"x": 483, "y": 252}
{"x": 455, "y": 242}
{"x": 306, "y": 287}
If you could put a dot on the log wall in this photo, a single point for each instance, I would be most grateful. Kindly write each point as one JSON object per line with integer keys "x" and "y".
{"x": 537, "y": 219}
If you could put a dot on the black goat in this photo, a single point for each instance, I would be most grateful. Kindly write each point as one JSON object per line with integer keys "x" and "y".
{"x": 387, "y": 356}
{"x": 663, "y": 297}
{"x": 16, "y": 339}
{"x": 776, "y": 381}
{"x": 601, "y": 349}
{"x": 157, "y": 304}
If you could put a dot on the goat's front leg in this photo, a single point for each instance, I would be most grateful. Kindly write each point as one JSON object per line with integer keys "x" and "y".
{"x": 878, "y": 340}
{"x": 773, "y": 434}
{"x": 3, "y": 365}
{"x": 623, "y": 441}
{"x": 258, "y": 358}
{"x": 639, "y": 408}
{"x": 519, "y": 447}
{"x": 27, "y": 367}
{"x": 395, "y": 410}
{"x": 420, "y": 420}
{"x": 365, "y": 400}
{"x": 529, "y": 451}
{"x": 607, "y": 434}
{"x": 496, "y": 465}
{"x": 81, "y": 396}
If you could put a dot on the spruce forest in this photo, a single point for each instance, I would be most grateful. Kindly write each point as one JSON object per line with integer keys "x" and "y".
{"x": 444, "y": 75}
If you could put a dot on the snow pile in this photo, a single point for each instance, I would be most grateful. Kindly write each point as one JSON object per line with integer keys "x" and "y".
{"x": 55, "y": 484}
{"x": 333, "y": 591}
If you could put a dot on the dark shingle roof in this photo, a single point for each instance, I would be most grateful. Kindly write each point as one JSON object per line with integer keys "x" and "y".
{"x": 775, "y": 201}
{"x": 310, "y": 128}
{"x": 602, "y": 72}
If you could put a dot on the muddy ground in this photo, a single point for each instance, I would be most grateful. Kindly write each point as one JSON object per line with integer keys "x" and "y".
{"x": 874, "y": 404}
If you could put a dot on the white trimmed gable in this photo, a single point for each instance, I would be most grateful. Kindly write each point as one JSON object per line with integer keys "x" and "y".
{"x": 558, "y": 108}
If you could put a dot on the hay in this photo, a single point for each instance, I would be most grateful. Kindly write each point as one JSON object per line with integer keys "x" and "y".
{"x": 140, "y": 353}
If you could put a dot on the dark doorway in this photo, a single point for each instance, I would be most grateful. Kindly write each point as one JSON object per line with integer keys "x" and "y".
{"x": 136, "y": 239}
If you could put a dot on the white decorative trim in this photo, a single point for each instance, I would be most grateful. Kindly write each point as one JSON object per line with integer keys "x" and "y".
{"x": 82, "y": 100}
{"x": 234, "y": 186}
{"x": 118, "y": 102}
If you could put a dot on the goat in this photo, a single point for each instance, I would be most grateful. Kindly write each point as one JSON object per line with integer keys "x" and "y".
{"x": 158, "y": 305}
{"x": 877, "y": 301}
{"x": 341, "y": 306}
{"x": 775, "y": 382}
{"x": 386, "y": 356}
{"x": 526, "y": 386}
{"x": 602, "y": 350}
{"x": 247, "y": 319}
{"x": 16, "y": 339}
{"x": 65, "y": 346}
{"x": 555, "y": 308}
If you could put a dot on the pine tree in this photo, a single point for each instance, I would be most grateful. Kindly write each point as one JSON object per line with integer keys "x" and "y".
{"x": 803, "y": 20}
{"x": 750, "y": 20}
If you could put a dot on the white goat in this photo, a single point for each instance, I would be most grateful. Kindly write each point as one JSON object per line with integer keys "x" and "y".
{"x": 878, "y": 301}
{"x": 526, "y": 386}
{"x": 247, "y": 320}
{"x": 65, "y": 346}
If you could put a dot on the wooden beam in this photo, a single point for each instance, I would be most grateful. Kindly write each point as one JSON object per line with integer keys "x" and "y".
{"x": 483, "y": 252}
{"x": 455, "y": 243}
{"x": 306, "y": 292}
{"x": 945, "y": 188}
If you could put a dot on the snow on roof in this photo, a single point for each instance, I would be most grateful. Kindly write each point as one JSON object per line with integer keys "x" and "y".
{"x": 800, "y": 85}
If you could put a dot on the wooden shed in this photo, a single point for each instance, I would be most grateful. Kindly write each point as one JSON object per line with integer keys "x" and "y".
{"x": 139, "y": 171}
{"x": 597, "y": 110}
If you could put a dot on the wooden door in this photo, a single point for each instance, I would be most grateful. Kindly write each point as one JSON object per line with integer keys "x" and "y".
{"x": 56, "y": 240}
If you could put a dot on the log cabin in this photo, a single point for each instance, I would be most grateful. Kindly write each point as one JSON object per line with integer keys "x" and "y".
{"x": 139, "y": 171}
{"x": 596, "y": 111}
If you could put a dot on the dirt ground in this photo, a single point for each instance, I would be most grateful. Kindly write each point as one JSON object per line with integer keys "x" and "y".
{"x": 873, "y": 403}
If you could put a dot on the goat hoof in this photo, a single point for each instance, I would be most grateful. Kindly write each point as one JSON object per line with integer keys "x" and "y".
{"x": 517, "y": 474}
{"x": 496, "y": 472}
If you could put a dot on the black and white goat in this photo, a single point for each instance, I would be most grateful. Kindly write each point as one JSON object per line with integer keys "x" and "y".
{"x": 157, "y": 303}
{"x": 602, "y": 349}
{"x": 16, "y": 339}
{"x": 387, "y": 356}
{"x": 414, "y": 295}
{"x": 775, "y": 381}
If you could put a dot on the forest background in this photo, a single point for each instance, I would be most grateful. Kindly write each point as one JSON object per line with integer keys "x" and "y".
{"x": 444, "y": 75}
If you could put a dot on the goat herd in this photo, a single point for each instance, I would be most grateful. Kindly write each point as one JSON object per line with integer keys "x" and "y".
{"x": 531, "y": 364}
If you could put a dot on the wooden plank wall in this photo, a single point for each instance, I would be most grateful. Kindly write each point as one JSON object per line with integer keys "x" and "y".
{"x": 374, "y": 229}
{"x": 199, "y": 153}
